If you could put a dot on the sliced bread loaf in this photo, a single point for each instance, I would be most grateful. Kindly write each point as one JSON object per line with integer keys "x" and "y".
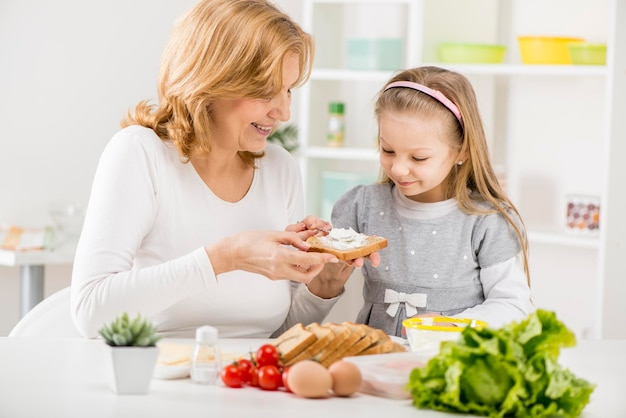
{"x": 293, "y": 341}
{"x": 324, "y": 336}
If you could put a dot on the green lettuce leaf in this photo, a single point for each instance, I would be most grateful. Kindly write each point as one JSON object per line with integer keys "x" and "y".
{"x": 508, "y": 372}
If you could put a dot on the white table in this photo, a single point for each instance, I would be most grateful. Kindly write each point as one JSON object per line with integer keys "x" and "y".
{"x": 68, "y": 378}
{"x": 32, "y": 270}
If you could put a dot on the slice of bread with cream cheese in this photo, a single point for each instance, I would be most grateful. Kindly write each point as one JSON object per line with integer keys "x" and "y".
{"x": 347, "y": 244}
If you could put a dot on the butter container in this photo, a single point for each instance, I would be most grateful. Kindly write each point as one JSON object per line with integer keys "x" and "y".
{"x": 426, "y": 334}
{"x": 387, "y": 375}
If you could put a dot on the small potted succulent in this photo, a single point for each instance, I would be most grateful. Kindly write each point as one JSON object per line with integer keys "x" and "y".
{"x": 131, "y": 346}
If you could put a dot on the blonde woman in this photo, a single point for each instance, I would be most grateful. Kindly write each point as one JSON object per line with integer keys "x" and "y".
{"x": 457, "y": 245}
{"x": 193, "y": 218}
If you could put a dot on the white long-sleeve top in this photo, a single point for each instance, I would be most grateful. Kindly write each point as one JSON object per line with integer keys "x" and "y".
{"x": 142, "y": 246}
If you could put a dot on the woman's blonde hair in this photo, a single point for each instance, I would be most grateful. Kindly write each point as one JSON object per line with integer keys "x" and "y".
{"x": 475, "y": 179}
{"x": 220, "y": 49}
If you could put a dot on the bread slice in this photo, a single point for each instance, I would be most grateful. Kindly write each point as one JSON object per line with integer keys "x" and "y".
{"x": 330, "y": 342}
{"x": 293, "y": 341}
{"x": 372, "y": 335}
{"x": 324, "y": 337}
{"x": 343, "y": 335}
{"x": 367, "y": 336}
{"x": 397, "y": 348}
{"x": 357, "y": 331}
{"x": 383, "y": 344}
{"x": 373, "y": 243}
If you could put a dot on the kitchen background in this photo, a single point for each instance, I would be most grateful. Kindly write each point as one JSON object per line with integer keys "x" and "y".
{"x": 70, "y": 69}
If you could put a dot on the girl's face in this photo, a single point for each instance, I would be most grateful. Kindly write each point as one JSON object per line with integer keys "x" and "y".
{"x": 244, "y": 124}
{"x": 416, "y": 155}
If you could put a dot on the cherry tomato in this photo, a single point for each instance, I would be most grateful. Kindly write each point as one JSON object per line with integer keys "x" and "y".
{"x": 270, "y": 377}
{"x": 285, "y": 374}
{"x": 267, "y": 355}
{"x": 245, "y": 366}
{"x": 254, "y": 377}
{"x": 231, "y": 376}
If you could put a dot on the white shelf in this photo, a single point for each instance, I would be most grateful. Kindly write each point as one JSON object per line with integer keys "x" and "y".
{"x": 533, "y": 70}
{"x": 566, "y": 239}
{"x": 478, "y": 69}
{"x": 361, "y": 154}
{"x": 363, "y": 1}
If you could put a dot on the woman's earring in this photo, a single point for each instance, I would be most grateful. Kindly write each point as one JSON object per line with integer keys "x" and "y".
{"x": 460, "y": 163}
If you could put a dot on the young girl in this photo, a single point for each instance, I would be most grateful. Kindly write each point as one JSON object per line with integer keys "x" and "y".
{"x": 457, "y": 245}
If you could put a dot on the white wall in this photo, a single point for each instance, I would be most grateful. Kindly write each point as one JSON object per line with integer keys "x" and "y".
{"x": 69, "y": 70}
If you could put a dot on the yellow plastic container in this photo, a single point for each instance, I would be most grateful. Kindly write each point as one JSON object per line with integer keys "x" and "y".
{"x": 426, "y": 334}
{"x": 546, "y": 49}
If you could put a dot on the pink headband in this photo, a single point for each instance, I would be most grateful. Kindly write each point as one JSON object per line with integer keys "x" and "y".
{"x": 435, "y": 94}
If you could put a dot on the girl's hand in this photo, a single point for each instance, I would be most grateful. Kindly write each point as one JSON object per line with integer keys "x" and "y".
{"x": 374, "y": 259}
{"x": 331, "y": 280}
{"x": 268, "y": 253}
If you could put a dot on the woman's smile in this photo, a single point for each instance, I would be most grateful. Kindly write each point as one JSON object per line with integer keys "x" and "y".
{"x": 263, "y": 129}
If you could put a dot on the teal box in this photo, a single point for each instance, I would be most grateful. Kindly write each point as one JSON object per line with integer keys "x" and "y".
{"x": 335, "y": 184}
{"x": 374, "y": 54}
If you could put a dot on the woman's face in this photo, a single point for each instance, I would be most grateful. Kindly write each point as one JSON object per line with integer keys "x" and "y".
{"x": 416, "y": 155}
{"x": 244, "y": 124}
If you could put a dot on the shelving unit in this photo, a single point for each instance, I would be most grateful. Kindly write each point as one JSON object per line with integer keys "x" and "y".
{"x": 580, "y": 110}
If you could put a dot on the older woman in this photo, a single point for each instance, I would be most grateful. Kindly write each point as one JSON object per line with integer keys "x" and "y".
{"x": 193, "y": 218}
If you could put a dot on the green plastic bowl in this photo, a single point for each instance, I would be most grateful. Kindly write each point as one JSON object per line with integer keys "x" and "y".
{"x": 587, "y": 54}
{"x": 471, "y": 53}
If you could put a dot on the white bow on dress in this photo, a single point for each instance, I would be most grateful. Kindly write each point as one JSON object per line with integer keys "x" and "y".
{"x": 411, "y": 302}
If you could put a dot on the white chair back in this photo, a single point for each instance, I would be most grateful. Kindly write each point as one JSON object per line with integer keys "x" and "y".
{"x": 49, "y": 318}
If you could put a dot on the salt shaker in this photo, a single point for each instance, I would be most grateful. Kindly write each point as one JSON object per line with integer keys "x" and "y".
{"x": 206, "y": 361}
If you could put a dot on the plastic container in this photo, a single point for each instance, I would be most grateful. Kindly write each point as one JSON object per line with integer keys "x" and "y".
{"x": 374, "y": 54}
{"x": 386, "y": 375}
{"x": 426, "y": 334}
{"x": 336, "y": 124}
{"x": 456, "y": 52}
{"x": 206, "y": 360}
{"x": 546, "y": 49}
{"x": 587, "y": 54}
{"x": 336, "y": 183}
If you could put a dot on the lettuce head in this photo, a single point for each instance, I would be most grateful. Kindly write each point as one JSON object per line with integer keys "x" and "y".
{"x": 512, "y": 371}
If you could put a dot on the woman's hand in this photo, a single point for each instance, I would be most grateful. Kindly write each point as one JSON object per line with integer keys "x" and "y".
{"x": 269, "y": 253}
{"x": 311, "y": 223}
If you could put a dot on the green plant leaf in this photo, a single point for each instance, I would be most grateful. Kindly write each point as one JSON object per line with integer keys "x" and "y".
{"x": 123, "y": 332}
{"x": 511, "y": 371}
{"x": 285, "y": 136}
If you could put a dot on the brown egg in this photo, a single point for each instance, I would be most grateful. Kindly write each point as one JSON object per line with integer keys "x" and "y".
{"x": 346, "y": 377}
{"x": 309, "y": 379}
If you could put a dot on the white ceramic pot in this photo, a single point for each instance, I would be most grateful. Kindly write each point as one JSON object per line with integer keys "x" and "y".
{"x": 131, "y": 368}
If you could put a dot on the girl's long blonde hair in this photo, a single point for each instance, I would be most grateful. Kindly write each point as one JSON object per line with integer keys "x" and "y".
{"x": 475, "y": 179}
{"x": 221, "y": 49}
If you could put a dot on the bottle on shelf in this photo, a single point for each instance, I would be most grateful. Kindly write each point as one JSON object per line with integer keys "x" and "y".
{"x": 206, "y": 360}
{"x": 336, "y": 125}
